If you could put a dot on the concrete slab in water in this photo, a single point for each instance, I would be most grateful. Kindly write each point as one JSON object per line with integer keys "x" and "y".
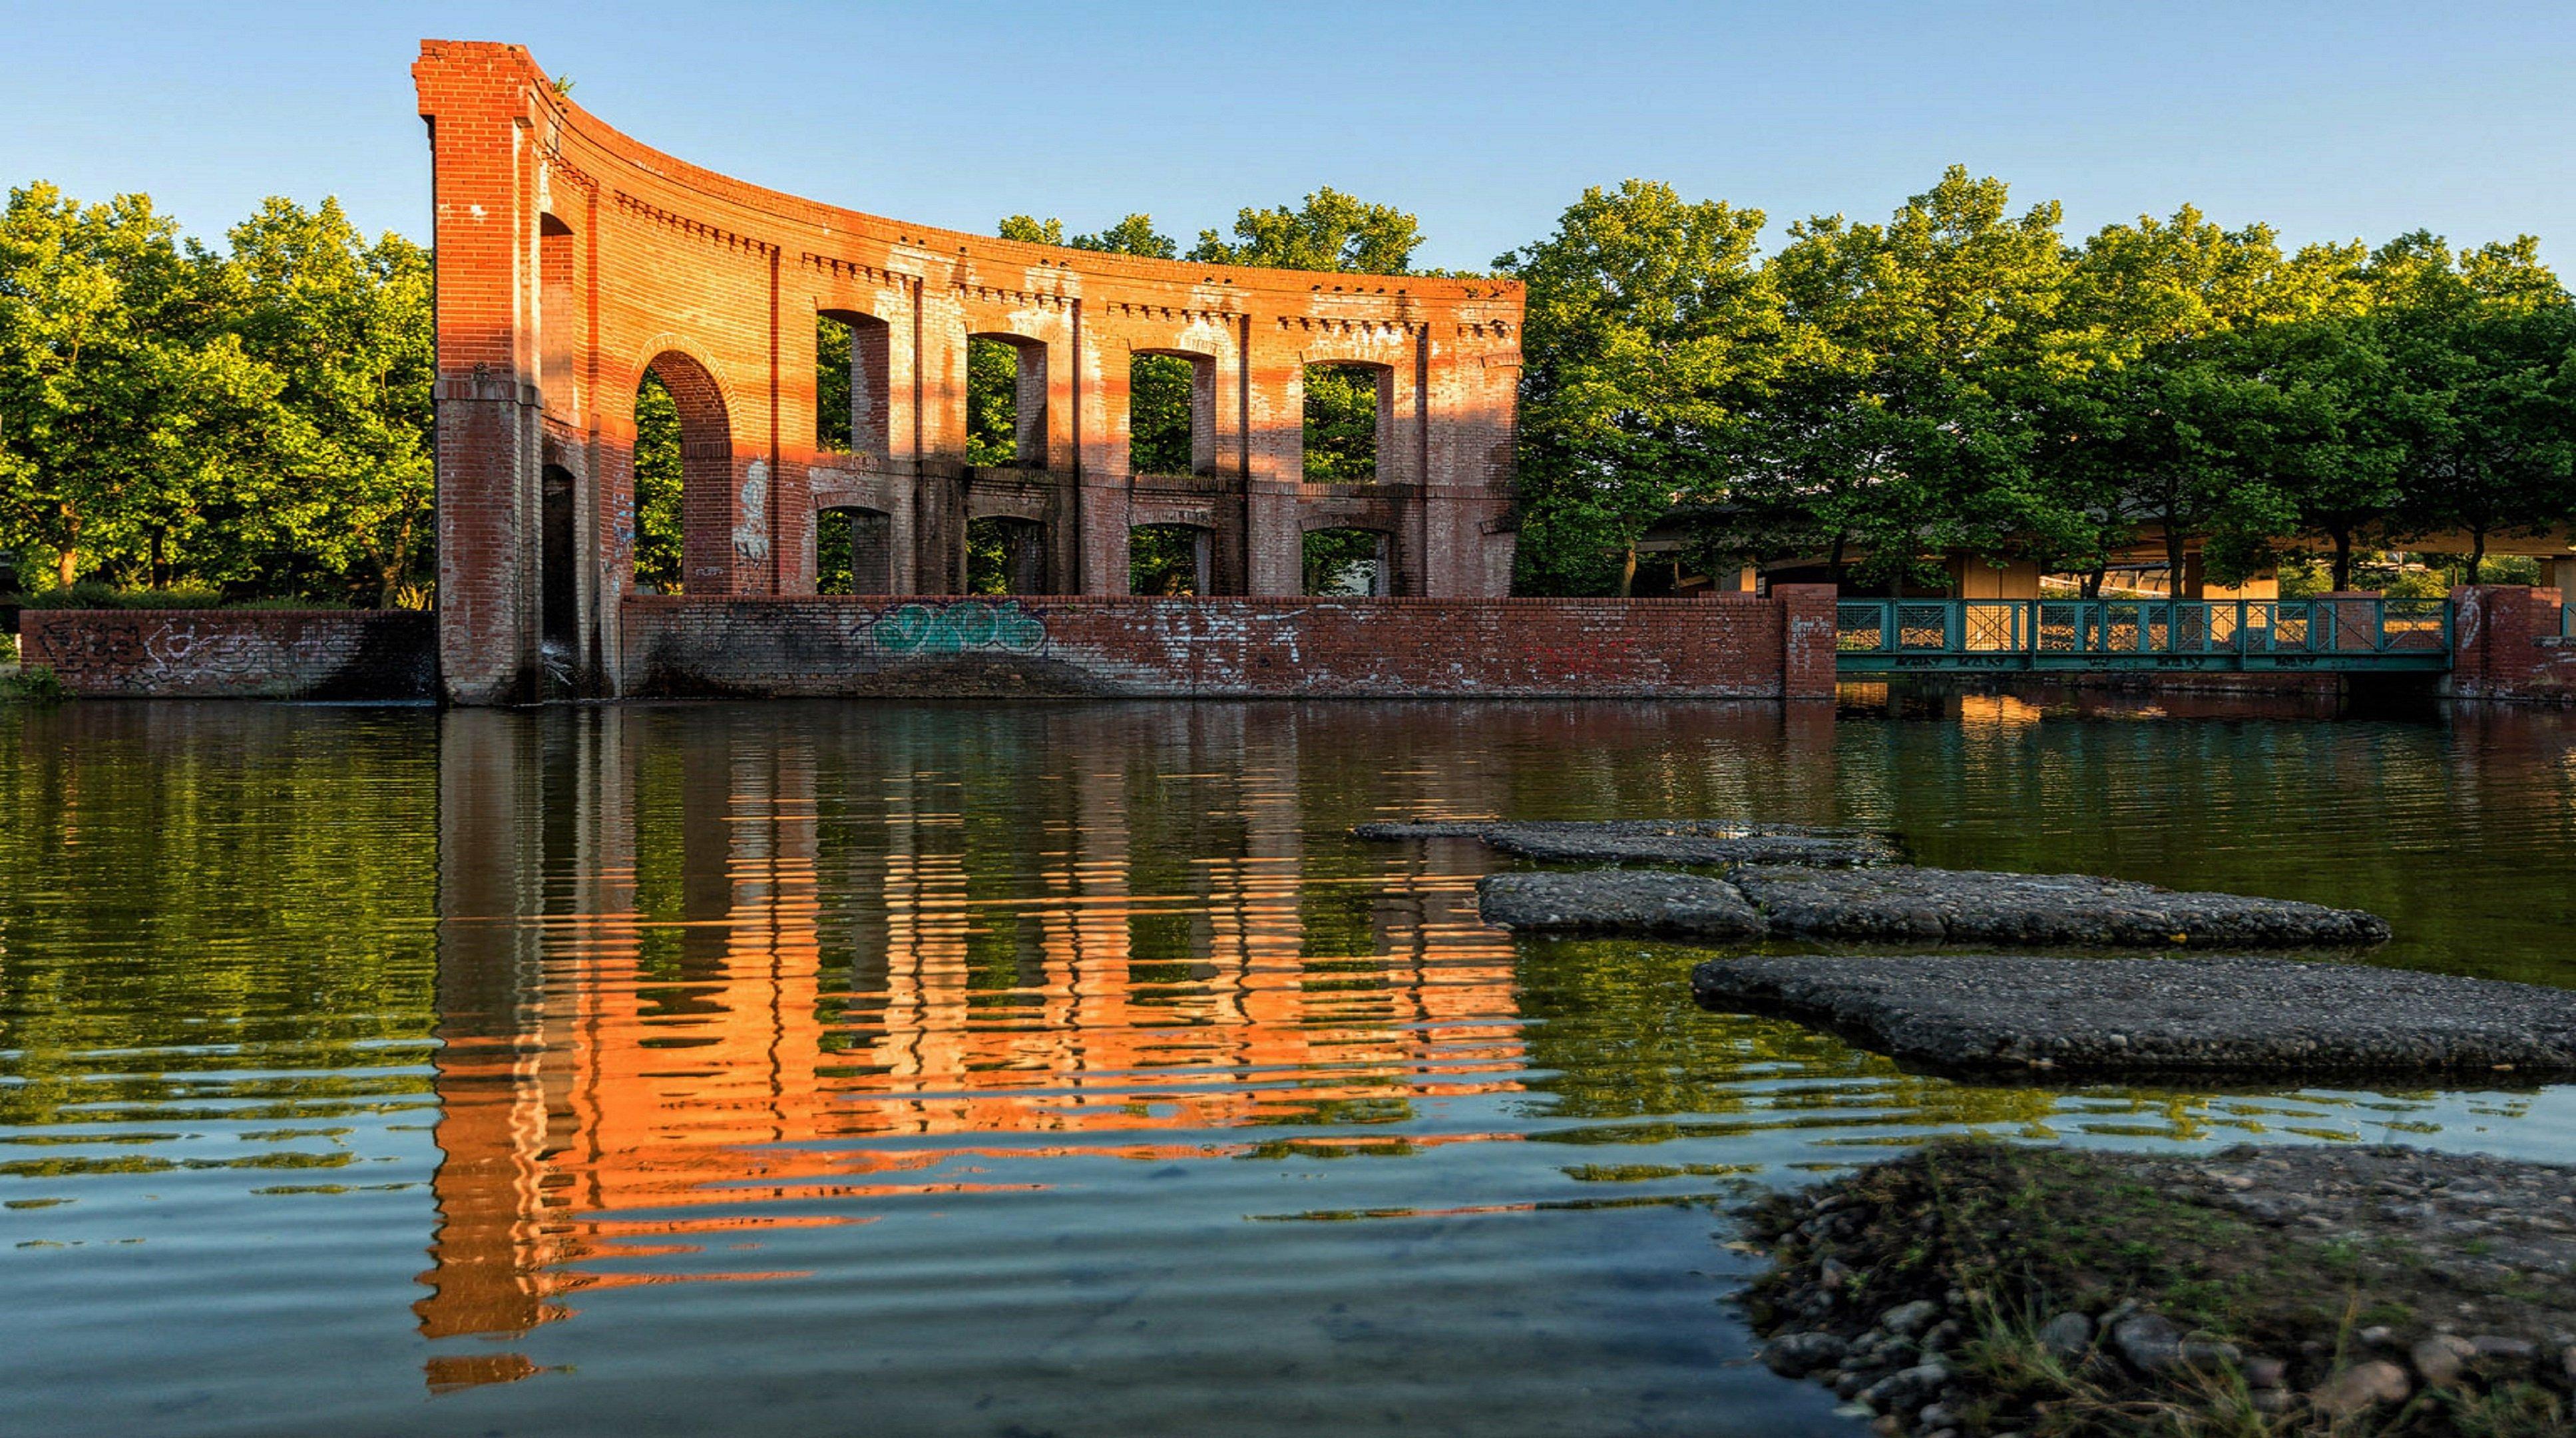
{"x": 2219, "y": 1014}
{"x": 1633, "y": 901}
{"x": 1900, "y": 905}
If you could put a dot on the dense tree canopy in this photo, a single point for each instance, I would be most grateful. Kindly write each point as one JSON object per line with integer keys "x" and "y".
{"x": 255, "y": 419}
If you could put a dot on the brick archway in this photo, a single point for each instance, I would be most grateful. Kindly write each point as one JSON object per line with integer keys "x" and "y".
{"x": 724, "y": 530}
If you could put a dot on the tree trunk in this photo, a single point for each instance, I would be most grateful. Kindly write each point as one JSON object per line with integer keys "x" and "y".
{"x": 160, "y": 559}
{"x": 2093, "y": 581}
{"x": 2173, "y": 560}
{"x": 66, "y": 566}
{"x": 2343, "y": 560}
{"x": 2477, "y": 553}
{"x": 1628, "y": 573}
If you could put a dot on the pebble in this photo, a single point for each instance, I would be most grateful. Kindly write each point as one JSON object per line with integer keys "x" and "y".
{"x": 1909, "y": 1319}
{"x": 2150, "y": 1342}
{"x": 2067, "y": 1335}
{"x": 1795, "y": 1355}
{"x": 2498, "y": 1346}
{"x": 2360, "y": 1386}
{"x": 2262, "y": 1371}
{"x": 1907, "y": 1387}
{"x": 2442, "y": 1358}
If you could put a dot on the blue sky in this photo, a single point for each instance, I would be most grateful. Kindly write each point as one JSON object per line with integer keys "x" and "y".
{"x": 2328, "y": 120}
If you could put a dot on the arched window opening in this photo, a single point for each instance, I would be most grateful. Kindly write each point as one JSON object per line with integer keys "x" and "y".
{"x": 1348, "y": 562}
{"x": 1005, "y": 556}
{"x": 853, "y": 552}
{"x": 657, "y": 488}
{"x": 1006, "y": 391}
{"x": 683, "y": 472}
{"x": 851, "y": 352}
{"x": 1167, "y": 559}
{"x": 1346, "y": 418}
{"x": 1171, "y": 413}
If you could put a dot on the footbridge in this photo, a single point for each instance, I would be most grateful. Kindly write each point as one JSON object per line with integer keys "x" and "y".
{"x": 2336, "y": 634}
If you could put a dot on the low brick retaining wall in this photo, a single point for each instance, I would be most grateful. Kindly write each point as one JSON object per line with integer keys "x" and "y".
{"x": 235, "y": 653}
{"x": 1724, "y": 648}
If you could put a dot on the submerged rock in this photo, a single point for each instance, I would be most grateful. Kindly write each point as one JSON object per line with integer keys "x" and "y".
{"x": 1969, "y": 906}
{"x": 2233, "y": 1014}
{"x": 1640, "y": 901}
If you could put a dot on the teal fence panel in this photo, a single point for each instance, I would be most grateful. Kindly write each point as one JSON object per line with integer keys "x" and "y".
{"x": 1887, "y": 636}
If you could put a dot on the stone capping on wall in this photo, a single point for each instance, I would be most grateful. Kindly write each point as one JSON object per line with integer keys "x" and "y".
{"x": 358, "y": 654}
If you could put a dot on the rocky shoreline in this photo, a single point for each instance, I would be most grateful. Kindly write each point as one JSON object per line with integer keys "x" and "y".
{"x": 1976, "y": 1288}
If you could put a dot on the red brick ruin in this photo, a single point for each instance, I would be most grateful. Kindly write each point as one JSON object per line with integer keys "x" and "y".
{"x": 572, "y": 260}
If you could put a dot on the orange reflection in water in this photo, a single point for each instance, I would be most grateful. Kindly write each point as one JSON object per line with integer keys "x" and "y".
{"x": 621, "y": 1084}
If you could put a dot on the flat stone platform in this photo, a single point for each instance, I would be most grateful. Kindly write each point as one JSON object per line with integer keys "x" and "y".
{"x": 1620, "y": 901}
{"x": 1906, "y": 905}
{"x": 1957, "y": 906}
{"x": 1658, "y": 841}
{"x": 2108, "y": 1016}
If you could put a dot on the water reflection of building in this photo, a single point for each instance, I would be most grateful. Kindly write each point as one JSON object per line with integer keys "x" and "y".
{"x": 700, "y": 968}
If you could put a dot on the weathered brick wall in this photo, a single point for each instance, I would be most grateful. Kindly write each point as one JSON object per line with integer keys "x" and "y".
{"x": 573, "y": 259}
{"x": 1730, "y": 648}
{"x": 2507, "y": 645}
{"x": 235, "y": 654}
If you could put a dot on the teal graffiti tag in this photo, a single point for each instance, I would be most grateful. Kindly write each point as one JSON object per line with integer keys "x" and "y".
{"x": 941, "y": 629}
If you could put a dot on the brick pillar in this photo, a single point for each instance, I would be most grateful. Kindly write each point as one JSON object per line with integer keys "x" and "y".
{"x": 2496, "y": 634}
{"x": 1806, "y": 639}
{"x": 490, "y": 424}
{"x": 1275, "y": 423}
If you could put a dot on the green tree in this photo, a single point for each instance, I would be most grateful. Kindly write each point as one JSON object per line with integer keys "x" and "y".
{"x": 1908, "y": 342}
{"x": 1328, "y": 231}
{"x": 1649, "y": 331}
{"x": 658, "y": 555}
{"x": 120, "y": 399}
{"x": 343, "y": 481}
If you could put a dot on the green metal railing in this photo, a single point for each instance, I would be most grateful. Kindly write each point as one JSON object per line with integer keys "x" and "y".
{"x": 1883, "y": 636}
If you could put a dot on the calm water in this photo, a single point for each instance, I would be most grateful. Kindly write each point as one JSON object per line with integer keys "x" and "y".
{"x": 1042, "y": 1070}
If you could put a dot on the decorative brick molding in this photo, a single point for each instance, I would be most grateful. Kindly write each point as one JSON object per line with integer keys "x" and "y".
{"x": 235, "y": 654}
{"x": 935, "y": 646}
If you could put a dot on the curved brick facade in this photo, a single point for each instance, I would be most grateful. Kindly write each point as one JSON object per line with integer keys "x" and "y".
{"x": 571, "y": 259}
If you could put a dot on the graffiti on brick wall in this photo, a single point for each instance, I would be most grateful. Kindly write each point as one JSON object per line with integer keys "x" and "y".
{"x": 751, "y": 529}
{"x": 185, "y": 652}
{"x": 933, "y": 630}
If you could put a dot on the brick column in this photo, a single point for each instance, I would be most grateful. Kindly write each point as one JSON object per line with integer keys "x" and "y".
{"x": 1806, "y": 639}
{"x": 2497, "y": 634}
{"x": 490, "y": 423}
